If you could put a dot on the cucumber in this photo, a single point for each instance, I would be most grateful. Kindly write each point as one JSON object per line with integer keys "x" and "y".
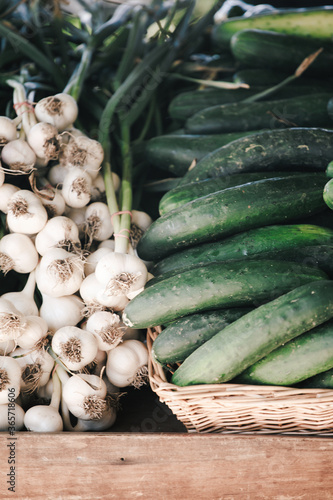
{"x": 249, "y": 244}
{"x": 303, "y": 357}
{"x": 302, "y": 111}
{"x": 322, "y": 380}
{"x": 175, "y": 153}
{"x": 255, "y": 335}
{"x": 181, "y": 337}
{"x": 269, "y": 77}
{"x": 278, "y": 51}
{"x": 316, "y": 22}
{"x": 216, "y": 285}
{"x": 179, "y": 195}
{"x": 231, "y": 211}
{"x": 186, "y": 104}
{"x": 328, "y": 194}
{"x": 320, "y": 256}
{"x": 299, "y": 148}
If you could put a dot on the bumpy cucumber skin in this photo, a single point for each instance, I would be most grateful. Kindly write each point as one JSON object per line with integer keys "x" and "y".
{"x": 216, "y": 285}
{"x": 304, "y": 111}
{"x": 175, "y": 153}
{"x": 178, "y": 196}
{"x": 181, "y": 337}
{"x": 188, "y": 103}
{"x": 249, "y": 244}
{"x": 256, "y": 334}
{"x": 231, "y": 211}
{"x": 268, "y": 49}
{"x": 298, "y": 148}
{"x": 316, "y": 22}
{"x": 297, "y": 360}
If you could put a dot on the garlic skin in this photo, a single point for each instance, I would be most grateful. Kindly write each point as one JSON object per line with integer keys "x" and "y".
{"x": 55, "y": 206}
{"x": 58, "y": 232}
{"x": 85, "y": 396}
{"x": 121, "y": 273}
{"x": 59, "y": 273}
{"x": 60, "y": 110}
{"x": 35, "y": 367}
{"x": 127, "y": 364}
{"x": 75, "y": 347}
{"x": 96, "y": 298}
{"x": 35, "y": 330}
{"x": 93, "y": 258}
{"x": 43, "y": 139}
{"x": 10, "y": 376}
{"x": 43, "y": 418}
{"x": 26, "y": 213}
{"x": 76, "y": 188}
{"x": 13, "y": 258}
{"x": 19, "y": 156}
{"x": 8, "y": 131}
{"x": 6, "y": 192}
{"x": 83, "y": 153}
{"x": 107, "y": 329}
{"x": 61, "y": 311}
{"x": 12, "y": 322}
{"x": 98, "y": 221}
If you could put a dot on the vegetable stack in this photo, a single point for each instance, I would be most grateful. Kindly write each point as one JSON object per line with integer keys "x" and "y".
{"x": 74, "y": 96}
{"x": 242, "y": 247}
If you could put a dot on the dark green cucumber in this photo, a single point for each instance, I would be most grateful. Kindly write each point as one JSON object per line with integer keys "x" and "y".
{"x": 328, "y": 193}
{"x": 179, "y": 195}
{"x": 249, "y": 244}
{"x": 231, "y": 211}
{"x": 188, "y": 103}
{"x": 278, "y": 51}
{"x": 216, "y": 285}
{"x": 322, "y": 380}
{"x": 269, "y": 77}
{"x": 301, "y": 111}
{"x": 313, "y": 23}
{"x": 320, "y": 256}
{"x": 299, "y": 148}
{"x": 303, "y": 357}
{"x": 181, "y": 337}
{"x": 256, "y": 334}
{"x": 175, "y": 153}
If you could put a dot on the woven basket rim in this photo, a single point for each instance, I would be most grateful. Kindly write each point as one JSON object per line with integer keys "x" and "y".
{"x": 195, "y": 405}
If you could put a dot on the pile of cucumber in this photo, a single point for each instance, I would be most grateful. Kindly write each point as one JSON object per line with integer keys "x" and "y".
{"x": 242, "y": 252}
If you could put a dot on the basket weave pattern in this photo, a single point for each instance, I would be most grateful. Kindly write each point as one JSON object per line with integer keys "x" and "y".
{"x": 231, "y": 408}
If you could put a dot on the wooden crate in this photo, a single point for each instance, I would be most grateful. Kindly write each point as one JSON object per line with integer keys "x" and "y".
{"x": 149, "y": 455}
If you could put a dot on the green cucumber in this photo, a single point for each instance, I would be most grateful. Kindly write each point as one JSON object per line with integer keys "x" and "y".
{"x": 181, "y": 337}
{"x": 216, "y": 285}
{"x": 328, "y": 194}
{"x": 322, "y": 380}
{"x": 175, "y": 153}
{"x": 303, "y": 357}
{"x": 255, "y": 335}
{"x": 180, "y": 195}
{"x": 316, "y": 23}
{"x": 301, "y": 111}
{"x": 249, "y": 244}
{"x": 269, "y": 77}
{"x": 299, "y": 148}
{"x": 186, "y": 104}
{"x": 278, "y": 51}
{"x": 231, "y": 211}
{"x": 320, "y": 256}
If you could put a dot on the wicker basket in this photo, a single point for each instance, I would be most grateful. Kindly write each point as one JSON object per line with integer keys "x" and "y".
{"x": 231, "y": 408}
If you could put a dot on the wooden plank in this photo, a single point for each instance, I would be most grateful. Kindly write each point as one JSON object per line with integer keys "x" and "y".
{"x": 167, "y": 466}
